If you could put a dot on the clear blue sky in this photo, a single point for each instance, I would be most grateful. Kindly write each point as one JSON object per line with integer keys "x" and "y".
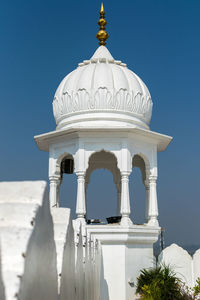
{"x": 42, "y": 41}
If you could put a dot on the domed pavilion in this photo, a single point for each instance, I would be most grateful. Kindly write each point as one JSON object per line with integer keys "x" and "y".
{"x": 103, "y": 112}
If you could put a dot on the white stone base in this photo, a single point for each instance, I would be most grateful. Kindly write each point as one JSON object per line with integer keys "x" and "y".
{"x": 125, "y": 251}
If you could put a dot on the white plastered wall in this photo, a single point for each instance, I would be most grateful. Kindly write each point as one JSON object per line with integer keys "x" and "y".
{"x": 63, "y": 236}
{"x": 196, "y": 265}
{"x": 180, "y": 261}
{"x": 66, "y": 259}
{"x": 27, "y": 242}
{"x": 186, "y": 267}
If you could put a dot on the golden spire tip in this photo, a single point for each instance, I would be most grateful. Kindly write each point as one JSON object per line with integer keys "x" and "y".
{"x": 102, "y": 8}
{"x": 102, "y": 35}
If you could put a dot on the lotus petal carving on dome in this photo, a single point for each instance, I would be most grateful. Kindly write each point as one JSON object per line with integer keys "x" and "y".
{"x": 103, "y": 100}
{"x": 106, "y": 88}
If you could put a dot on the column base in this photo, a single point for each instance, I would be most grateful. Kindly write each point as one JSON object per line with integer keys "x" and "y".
{"x": 81, "y": 220}
{"x": 153, "y": 222}
{"x": 126, "y": 221}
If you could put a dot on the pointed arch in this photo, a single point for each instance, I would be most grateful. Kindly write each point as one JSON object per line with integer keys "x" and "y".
{"x": 67, "y": 182}
{"x": 61, "y": 158}
{"x": 138, "y": 188}
{"x": 104, "y": 160}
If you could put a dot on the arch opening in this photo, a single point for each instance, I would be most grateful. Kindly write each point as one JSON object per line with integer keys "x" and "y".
{"x": 137, "y": 189}
{"x": 68, "y": 183}
{"x": 102, "y": 186}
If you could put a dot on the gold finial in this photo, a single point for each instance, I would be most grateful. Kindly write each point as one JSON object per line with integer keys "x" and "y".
{"x": 102, "y": 9}
{"x": 102, "y": 35}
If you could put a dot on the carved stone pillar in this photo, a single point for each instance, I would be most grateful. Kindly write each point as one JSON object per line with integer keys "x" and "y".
{"x": 125, "y": 200}
{"x": 146, "y": 183}
{"x": 118, "y": 185}
{"x": 58, "y": 194}
{"x": 53, "y": 193}
{"x": 86, "y": 186}
{"x": 153, "y": 206}
{"x": 80, "y": 203}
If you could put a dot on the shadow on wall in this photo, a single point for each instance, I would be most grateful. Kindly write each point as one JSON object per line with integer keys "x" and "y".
{"x": 104, "y": 293}
{"x": 40, "y": 273}
{"x": 2, "y": 289}
{"x": 67, "y": 290}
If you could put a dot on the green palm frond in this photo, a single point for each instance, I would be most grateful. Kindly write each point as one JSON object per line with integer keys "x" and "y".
{"x": 159, "y": 283}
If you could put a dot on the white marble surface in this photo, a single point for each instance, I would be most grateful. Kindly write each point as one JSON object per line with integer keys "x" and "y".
{"x": 196, "y": 265}
{"x": 102, "y": 89}
{"x": 180, "y": 261}
{"x": 27, "y": 243}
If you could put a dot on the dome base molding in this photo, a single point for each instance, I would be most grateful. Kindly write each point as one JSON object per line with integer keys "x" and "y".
{"x": 104, "y": 119}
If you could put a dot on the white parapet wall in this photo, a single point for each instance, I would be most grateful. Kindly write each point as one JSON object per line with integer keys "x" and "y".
{"x": 2, "y": 288}
{"x": 44, "y": 256}
{"x": 28, "y": 252}
{"x": 196, "y": 265}
{"x": 186, "y": 267}
{"x": 64, "y": 239}
{"x": 180, "y": 261}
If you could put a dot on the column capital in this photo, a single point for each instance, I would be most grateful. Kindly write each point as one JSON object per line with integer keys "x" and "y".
{"x": 54, "y": 178}
{"x": 125, "y": 173}
{"x": 152, "y": 179}
{"x": 80, "y": 173}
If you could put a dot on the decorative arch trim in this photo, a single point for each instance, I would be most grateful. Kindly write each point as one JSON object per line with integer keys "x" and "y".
{"x": 141, "y": 161}
{"x": 59, "y": 160}
{"x": 103, "y": 164}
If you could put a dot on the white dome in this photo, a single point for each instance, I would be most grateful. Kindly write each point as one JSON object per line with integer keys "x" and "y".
{"x": 102, "y": 92}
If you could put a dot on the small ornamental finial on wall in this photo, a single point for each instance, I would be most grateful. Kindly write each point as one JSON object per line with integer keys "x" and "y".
{"x": 102, "y": 35}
